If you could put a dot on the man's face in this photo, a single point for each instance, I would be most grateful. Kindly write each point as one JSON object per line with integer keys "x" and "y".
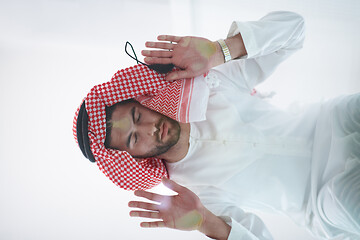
{"x": 142, "y": 132}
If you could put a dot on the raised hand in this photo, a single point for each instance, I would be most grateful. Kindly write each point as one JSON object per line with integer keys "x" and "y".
{"x": 183, "y": 211}
{"x": 194, "y": 55}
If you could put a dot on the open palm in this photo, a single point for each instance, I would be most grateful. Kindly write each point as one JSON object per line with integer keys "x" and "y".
{"x": 183, "y": 211}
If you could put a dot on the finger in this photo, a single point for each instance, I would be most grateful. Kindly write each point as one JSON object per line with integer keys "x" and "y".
{"x": 178, "y": 75}
{"x": 152, "y": 215}
{"x": 144, "y": 205}
{"x": 161, "y": 45}
{"x": 154, "y": 60}
{"x": 149, "y": 195}
{"x": 162, "y": 54}
{"x": 172, "y": 185}
{"x": 169, "y": 38}
{"x": 152, "y": 224}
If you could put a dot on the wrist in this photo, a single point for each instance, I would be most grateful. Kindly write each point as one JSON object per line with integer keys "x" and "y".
{"x": 236, "y": 46}
{"x": 214, "y": 227}
{"x": 225, "y": 50}
{"x": 217, "y": 58}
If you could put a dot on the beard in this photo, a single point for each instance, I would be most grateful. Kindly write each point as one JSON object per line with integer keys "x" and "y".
{"x": 162, "y": 147}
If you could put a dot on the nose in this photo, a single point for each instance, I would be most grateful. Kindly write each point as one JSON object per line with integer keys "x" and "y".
{"x": 147, "y": 128}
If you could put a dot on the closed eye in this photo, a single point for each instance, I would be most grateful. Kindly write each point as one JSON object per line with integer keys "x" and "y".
{"x": 128, "y": 141}
{"x": 131, "y": 136}
{"x": 133, "y": 114}
{"x": 138, "y": 119}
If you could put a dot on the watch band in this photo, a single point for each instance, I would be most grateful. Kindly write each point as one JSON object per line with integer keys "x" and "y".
{"x": 224, "y": 49}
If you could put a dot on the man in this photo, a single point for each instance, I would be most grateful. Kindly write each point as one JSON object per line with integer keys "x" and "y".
{"x": 246, "y": 153}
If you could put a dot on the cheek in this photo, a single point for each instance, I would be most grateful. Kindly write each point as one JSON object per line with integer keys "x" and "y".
{"x": 147, "y": 144}
{"x": 144, "y": 147}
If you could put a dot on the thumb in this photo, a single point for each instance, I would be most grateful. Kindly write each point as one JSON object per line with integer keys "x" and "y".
{"x": 178, "y": 75}
{"x": 172, "y": 185}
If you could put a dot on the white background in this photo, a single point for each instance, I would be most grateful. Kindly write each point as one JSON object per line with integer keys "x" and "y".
{"x": 52, "y": 52}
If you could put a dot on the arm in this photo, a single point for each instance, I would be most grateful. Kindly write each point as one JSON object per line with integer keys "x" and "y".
{"x": 183, "y": 211}
{"x": 262, "y": 45}
{"x": 243, "y": 225}
{"x": 192, "y": 54}
{"x": 268, "y": 42}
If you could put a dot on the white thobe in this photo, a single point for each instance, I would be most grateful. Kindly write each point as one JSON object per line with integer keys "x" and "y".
{"x": 249, "y": 154}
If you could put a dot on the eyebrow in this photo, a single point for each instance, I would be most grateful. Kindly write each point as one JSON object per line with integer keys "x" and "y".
{"x": 133, "y": 117}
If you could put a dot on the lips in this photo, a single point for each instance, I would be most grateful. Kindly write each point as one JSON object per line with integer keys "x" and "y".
{"x": 163, "y": 130}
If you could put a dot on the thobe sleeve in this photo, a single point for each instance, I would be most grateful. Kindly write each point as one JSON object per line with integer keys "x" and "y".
{"x": 268, "y": 42}
{"x": 244, "y": 225}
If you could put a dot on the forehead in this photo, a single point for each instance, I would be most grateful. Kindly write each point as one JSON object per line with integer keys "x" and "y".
{"x": 125, "y": 108}
{"x": 122, "y": 109}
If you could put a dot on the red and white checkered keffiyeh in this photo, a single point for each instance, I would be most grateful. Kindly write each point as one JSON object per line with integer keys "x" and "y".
{"x": 174, "y": 99}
